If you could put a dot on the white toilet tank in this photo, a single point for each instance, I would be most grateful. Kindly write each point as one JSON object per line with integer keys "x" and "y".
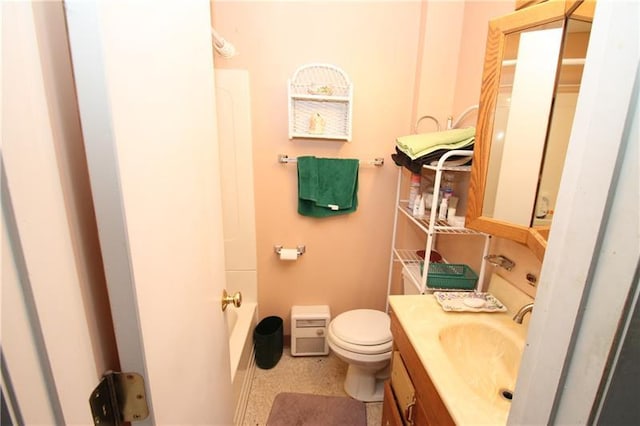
{"x": 407, "y": 282}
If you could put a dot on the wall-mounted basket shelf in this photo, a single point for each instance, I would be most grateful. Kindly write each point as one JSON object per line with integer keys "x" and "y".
{"x": 320, "y": 103}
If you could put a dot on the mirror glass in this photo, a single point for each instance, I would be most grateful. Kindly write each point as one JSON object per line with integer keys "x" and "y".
{"x": 521, "y": 118}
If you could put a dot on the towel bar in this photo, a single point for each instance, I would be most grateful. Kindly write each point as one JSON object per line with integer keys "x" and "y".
{"x": 500, "y": 260}
{"x": 284, "y": 158}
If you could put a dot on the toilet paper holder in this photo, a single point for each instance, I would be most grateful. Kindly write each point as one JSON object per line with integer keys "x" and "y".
{"x": 299, "y": 249}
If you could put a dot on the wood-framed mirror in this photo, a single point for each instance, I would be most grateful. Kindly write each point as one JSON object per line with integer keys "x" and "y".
{"x": 533, "y": 66}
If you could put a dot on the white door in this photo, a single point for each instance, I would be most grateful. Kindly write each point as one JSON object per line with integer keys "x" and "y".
{"x": 145, "y": 82}
{"x": 163, "y": 186}
{"x": 50, "y": 356}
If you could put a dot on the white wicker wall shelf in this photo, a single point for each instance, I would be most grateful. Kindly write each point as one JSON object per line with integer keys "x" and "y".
{"x": 320, "y": 103}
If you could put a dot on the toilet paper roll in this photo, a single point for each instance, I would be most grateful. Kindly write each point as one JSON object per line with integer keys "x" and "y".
{"x": 288, "y": 254}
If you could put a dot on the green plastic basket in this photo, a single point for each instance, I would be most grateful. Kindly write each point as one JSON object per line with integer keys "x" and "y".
{"x": 451, "y": 276}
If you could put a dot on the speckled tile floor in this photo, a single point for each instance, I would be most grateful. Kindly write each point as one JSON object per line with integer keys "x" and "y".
{"x": 322, "y": 375}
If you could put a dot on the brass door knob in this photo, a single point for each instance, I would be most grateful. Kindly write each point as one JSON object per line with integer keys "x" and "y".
{"x": 236, "y": 299}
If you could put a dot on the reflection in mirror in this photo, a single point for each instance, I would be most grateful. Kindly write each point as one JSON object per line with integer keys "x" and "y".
{"x": 523, "y": 106}
{"x": 569, "y": 77}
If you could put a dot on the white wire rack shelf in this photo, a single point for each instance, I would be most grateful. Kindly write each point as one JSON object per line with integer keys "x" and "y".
{"x": 408, "y": 257}
{"x": 320, "y": 103}
{"x": 430, "y": 224}
{"x": 410, "y": 263}
{"x": 445, "y": 168}
{"x": 440, "y": 226}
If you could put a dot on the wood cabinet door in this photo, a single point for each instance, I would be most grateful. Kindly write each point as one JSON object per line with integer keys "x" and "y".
{"x": 390, "y": 414}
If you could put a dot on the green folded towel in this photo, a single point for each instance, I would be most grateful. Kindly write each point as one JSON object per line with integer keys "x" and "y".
{"x": 327, "y": 186}
{"x": 415, "y": 144}
{"x": 451, "y": 146}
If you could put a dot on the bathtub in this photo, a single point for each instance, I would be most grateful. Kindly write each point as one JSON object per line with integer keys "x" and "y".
{"x": 240, "y": 324}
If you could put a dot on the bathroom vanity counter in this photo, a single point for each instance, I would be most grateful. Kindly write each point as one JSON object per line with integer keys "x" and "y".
{"x": 471, "y": 360}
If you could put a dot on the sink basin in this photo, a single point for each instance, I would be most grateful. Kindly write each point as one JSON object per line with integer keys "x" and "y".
{"x": 486, "y": 356}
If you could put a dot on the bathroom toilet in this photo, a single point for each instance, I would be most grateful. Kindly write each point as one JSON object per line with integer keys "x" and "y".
{"x": 362, "y": 338}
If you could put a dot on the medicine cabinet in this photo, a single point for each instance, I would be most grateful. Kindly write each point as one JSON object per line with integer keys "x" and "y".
{"x": 533, "y": 67}
{"x": 320, "y": 103}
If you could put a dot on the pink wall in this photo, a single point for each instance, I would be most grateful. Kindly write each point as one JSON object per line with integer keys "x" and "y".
{"x": 439, "y": 61}
{"x": 474, "y": 37}
{"x": 452, "y": 54}
{"x": 396, "y": 75}
{"x": 375, "y": 43}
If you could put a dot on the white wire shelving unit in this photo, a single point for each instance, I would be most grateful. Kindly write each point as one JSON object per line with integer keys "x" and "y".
{"x": 430, "y": 225}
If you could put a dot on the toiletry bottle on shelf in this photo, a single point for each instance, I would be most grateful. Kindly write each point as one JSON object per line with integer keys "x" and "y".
{"x": 447, "y": 193}
{"x": 452, "y": 205}
{"x": 428, "y": 200}
{"x": 414, "y": 190}
{"x": 447, "y": 185}
{"x": 416, "y": 206}
{"x": 444, "y": 206}
{"x": 422, "y": 207}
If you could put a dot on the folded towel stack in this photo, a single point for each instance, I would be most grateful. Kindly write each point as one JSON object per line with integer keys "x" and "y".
{"x": 416, "y": 146}
{"x": 327, "y": 186}
{"x": 414, "y": 151}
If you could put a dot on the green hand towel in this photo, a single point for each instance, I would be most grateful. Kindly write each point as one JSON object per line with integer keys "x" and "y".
{"x": 327, "y": 186}
{"x": 414, "y": 144}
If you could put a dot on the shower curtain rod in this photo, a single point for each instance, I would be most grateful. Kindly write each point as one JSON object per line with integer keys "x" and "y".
{"x": 222, "y": 46}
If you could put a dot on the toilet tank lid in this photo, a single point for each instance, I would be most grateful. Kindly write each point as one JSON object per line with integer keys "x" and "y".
{"x": 365, "y": 327}
{"x": 311, "y": 311}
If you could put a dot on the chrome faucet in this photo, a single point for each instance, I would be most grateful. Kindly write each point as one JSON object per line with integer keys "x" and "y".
{"x": 519, "y": 316}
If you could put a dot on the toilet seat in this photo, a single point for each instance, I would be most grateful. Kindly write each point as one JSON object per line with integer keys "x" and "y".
{"x": 362, "y": 331}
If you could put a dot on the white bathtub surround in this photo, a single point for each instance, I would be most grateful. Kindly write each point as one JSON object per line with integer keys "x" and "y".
{"x": 234, "y": 131}
{"x": 240, "y": 323}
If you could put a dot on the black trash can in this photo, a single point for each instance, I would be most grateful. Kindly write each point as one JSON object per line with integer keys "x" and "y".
{"x": 268, "y": 341}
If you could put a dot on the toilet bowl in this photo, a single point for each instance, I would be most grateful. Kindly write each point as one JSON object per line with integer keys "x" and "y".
{"x": 362, "y": 339}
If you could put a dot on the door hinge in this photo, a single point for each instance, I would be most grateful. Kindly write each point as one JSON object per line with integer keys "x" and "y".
{"x": 119, "y": 398}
